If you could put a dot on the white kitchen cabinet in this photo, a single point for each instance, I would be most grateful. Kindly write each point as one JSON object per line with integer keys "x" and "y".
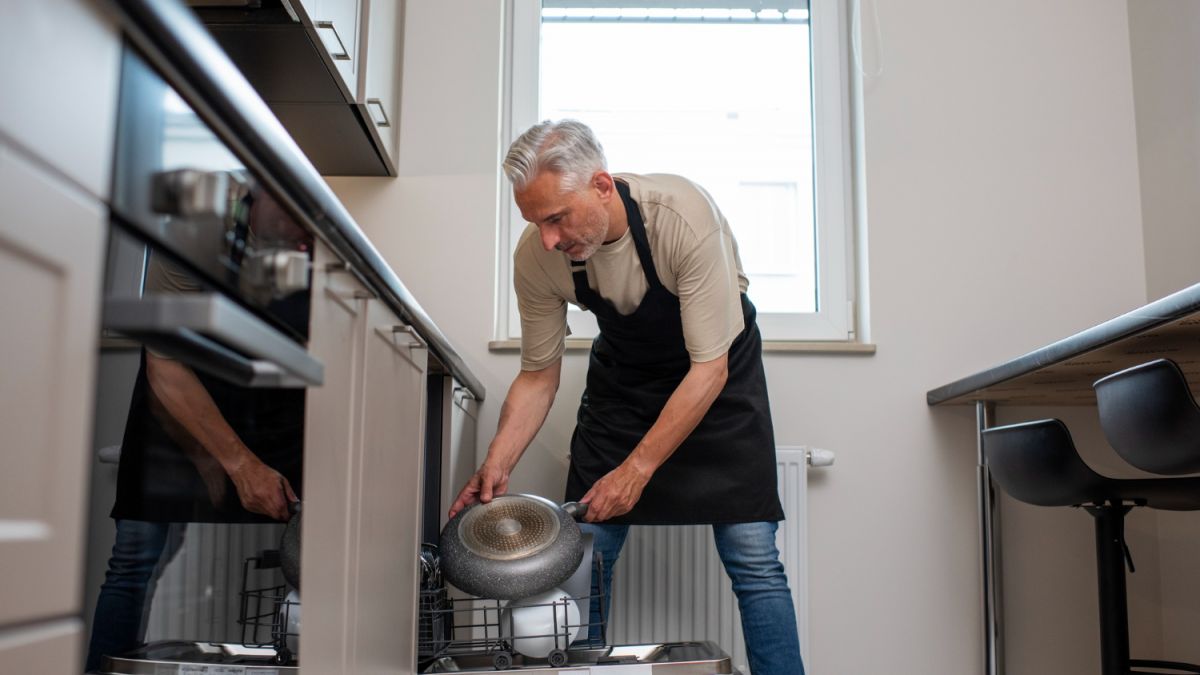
{"x": 384, "y": 599}
{"x": 331, "y": 438}
{"x": 380, "y": 94}
{"x": 362, "y": 481}
{"x": 328, "y": 69}
{"x": 59, "y": 71}
{"x": 364, "y": 39}
{"x": 338, "y": 25}
{"x": 52, "y": 237}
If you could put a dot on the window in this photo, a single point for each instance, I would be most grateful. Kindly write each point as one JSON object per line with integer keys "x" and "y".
{"x": 747, "y": 98}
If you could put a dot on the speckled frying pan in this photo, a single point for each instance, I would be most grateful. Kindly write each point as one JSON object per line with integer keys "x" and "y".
{"x": 289, "y": 548}
{"x": 512, "y": 547}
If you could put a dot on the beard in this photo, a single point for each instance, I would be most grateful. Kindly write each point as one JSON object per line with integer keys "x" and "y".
{"x": 590, "y": 239}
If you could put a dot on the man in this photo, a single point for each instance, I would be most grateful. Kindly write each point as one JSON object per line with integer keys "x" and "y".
{"x": 674, "y": 426}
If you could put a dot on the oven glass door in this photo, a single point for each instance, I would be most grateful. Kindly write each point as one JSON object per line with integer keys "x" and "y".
{"x": 226, "y": 287}
{"x": 179, "y": 187}
{"x": 200, "y": 415}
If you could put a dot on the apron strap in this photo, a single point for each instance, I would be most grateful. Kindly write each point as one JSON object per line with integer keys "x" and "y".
{"x": 638, "y": 229}
{"x": 583, "y": 292}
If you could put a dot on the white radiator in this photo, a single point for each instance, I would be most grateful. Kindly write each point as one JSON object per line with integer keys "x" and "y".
{"x": 198, "y": 597}
{"x": 669, "y": 584}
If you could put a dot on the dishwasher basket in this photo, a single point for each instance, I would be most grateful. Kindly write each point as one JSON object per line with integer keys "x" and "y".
{"x": 269, "y": 615}
{"x": 469, "y": 626}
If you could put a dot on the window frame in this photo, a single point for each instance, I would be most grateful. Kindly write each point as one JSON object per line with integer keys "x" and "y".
{"x": 835, "y": 318}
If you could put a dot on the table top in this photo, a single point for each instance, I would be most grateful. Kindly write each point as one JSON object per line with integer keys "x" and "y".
{"x": 1062, "y": 373}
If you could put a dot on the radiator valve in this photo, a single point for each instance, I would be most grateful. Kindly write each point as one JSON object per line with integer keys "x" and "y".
{"x": 819, "y": 457}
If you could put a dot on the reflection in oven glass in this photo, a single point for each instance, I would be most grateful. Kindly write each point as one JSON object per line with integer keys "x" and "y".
{"x": 201, "y": 461}
{"x": 207, "y": 472}
{"x": 184, "y": 190}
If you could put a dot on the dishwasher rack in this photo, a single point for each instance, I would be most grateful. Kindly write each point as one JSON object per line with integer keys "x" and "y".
{"x": 473, "y": 627}
{"x": 269, "y": 616}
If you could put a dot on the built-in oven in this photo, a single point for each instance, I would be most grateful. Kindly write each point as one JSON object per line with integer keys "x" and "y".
{"x": 179, "y": 189}
{"x": 201, "y": 401}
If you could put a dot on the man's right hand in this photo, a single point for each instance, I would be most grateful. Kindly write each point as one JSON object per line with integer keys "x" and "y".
{"x": 262, "y": 489}
{"x": 488, "y": 482}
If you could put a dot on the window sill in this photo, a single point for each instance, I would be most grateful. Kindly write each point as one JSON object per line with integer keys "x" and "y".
{"x": 787, "y": 346}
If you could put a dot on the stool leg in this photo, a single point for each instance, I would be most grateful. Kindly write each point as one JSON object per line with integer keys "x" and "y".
{"x": 1110, "y": 567}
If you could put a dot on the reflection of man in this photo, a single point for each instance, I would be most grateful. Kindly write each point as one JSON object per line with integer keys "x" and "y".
{"x": 196, "y": 449}
{"x": 674, "y": 426}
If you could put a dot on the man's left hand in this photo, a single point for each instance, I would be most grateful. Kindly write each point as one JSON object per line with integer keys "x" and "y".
{"x": 615, "y": 494}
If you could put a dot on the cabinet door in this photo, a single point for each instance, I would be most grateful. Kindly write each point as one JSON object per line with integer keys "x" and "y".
{"x": 381, "y": 95}
{"x": 331, "y": 438}
{"x": 384, "y": 604}
{"x": 51, "y": 250}
{"x": 338, "y": 24}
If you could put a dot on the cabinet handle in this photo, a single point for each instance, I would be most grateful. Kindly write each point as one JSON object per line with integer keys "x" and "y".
{"x": 418, "y": 342}
{"x": 461, "y": 395}
{"x": 342, "y": 266}
{"x": 345, "y": 53}
{"x": 377, "y": 112}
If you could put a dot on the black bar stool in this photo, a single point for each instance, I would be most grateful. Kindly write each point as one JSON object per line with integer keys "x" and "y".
{"x": 1037, "y": 463}
{"x": 1150, "y": 418}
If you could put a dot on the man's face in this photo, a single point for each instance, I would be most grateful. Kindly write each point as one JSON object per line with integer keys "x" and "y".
{"x": 575, "y": 223}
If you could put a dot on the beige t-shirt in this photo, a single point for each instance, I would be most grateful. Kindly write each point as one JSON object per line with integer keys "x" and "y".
{"x": 164, "y": 277}
{"x": 694, "y": 253}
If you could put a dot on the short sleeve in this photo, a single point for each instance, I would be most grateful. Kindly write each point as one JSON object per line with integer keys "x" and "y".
{"x": 543, "y": 313}
{"x": 709, "y": 294}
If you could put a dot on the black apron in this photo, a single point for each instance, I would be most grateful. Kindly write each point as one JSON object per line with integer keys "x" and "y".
{"x": 724, "y": 471}
{"x": 160, "y": 480}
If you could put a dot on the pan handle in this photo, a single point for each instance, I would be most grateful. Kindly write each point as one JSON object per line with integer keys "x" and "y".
{"x": 576, "y": 510}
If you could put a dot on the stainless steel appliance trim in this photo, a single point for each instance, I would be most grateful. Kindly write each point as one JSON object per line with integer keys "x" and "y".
{"x": 669, "y": 658}
{"x": 197, "y": 66}
{"x": 178, "y": 657}
{"x": 208, "y": 325}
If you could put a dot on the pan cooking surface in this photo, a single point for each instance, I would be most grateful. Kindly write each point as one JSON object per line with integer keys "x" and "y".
{"x": 508, "y": 528}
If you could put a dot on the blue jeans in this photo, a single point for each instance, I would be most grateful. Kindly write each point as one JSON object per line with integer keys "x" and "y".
{"x": 747, "y": 550}
{"x": 139, "y": 554}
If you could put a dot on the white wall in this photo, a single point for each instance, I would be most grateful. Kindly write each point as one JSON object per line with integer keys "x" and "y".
{"x": 1002, "y": 193}
{"x": 1165, "y": 41}
{"x": 1165, "y": 46}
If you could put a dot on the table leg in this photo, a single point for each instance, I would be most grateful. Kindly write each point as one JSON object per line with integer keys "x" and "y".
{"x": 989, "y": 550}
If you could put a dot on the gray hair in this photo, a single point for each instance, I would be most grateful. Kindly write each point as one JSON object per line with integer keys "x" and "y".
{"x": 566, "y": 147}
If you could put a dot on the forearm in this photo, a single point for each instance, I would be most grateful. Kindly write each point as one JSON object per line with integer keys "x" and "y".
{"x": 522, "y": 414}
{"x": 189, "y": 405}
{"x": 688, "y": 404}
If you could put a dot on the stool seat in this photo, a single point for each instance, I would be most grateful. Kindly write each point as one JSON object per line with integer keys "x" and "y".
{"x": 1150, "y": 417}
{"x": 1036, "y": 462}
